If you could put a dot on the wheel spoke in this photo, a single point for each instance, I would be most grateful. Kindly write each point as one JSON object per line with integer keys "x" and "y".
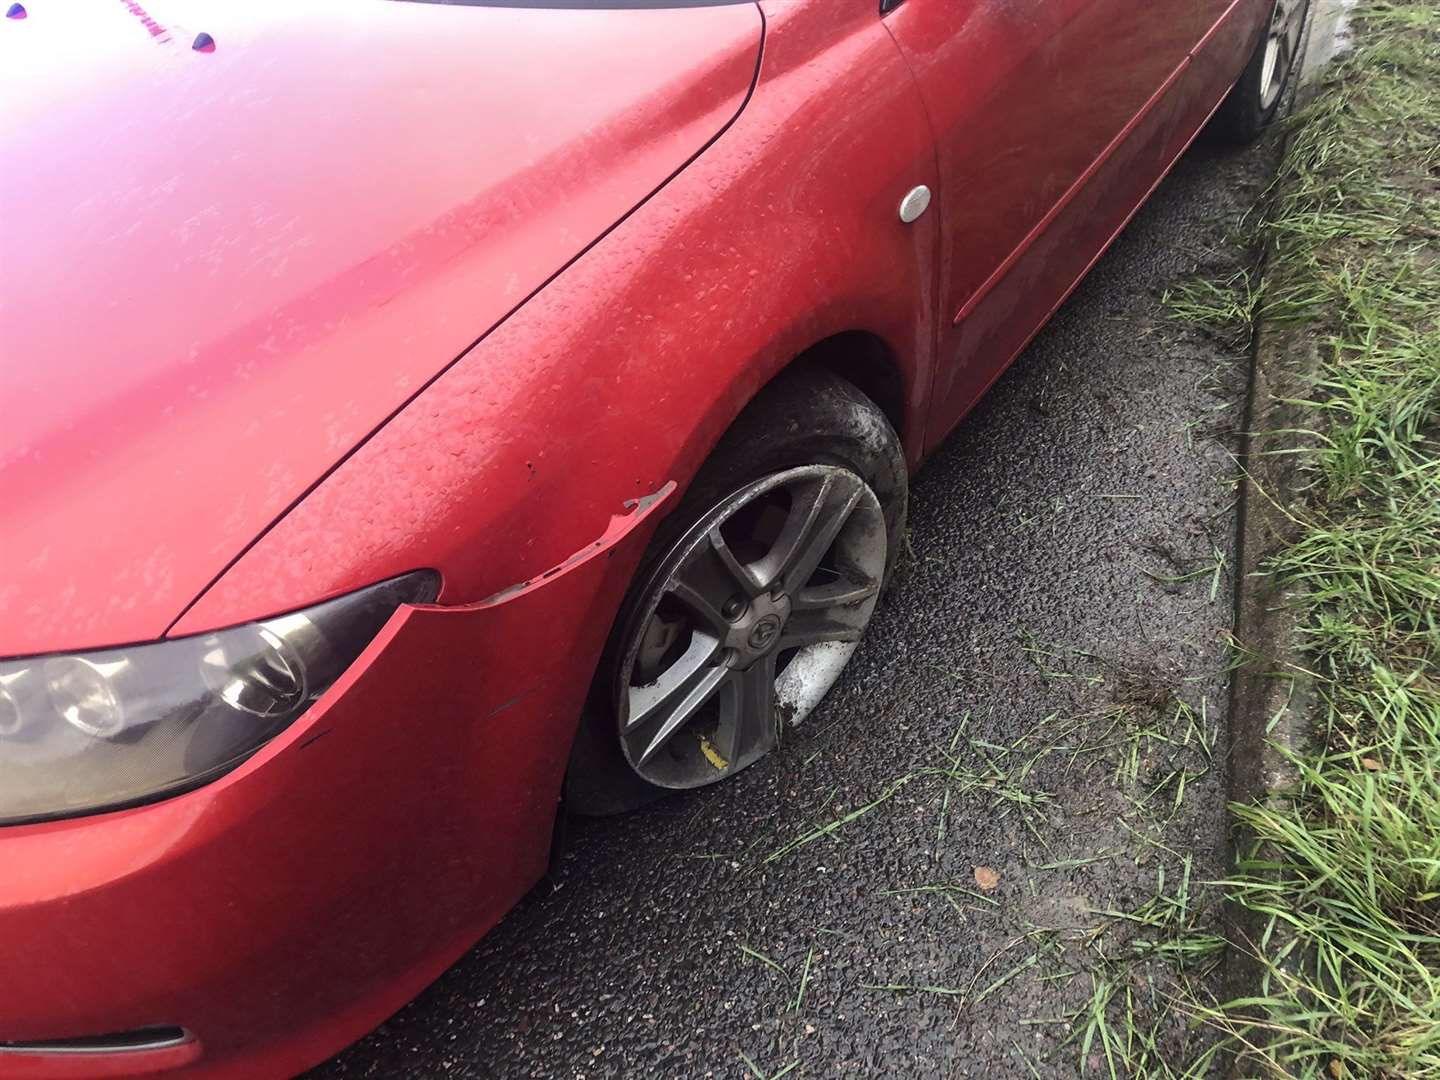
{"x": 739, "y": 573}
{"x": 844, "y": 592}
{"x": 699, "y": 694}
{"x": 703, "y": 584}
{"x": 747, "y": 710}
{"x": 681, "y": 689}
{"x": 817, "y": 514}
{"x": 816, "y": 627}
{"x": 1285, "y": 54}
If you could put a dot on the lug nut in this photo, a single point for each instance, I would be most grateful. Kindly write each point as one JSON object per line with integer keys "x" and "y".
{"x": 734, "y": 607}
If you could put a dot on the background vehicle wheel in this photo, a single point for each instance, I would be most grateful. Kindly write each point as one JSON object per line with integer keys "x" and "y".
{"x": 1255, "y": 100}
{"x": 751, "y": 598}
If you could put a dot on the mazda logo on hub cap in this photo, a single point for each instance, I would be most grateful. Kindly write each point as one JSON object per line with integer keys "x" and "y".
{"x": 763, "y": 635}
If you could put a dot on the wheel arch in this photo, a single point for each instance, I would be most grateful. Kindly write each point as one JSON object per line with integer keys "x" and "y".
{"x": 867, "y": 361}
{"x": 865, "y": 358}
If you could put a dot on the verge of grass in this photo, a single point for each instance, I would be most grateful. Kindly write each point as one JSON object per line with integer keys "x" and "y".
{"x": 1343, "y": 870}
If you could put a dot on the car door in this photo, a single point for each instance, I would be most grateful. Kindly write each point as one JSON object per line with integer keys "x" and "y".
{"x": 1035, "y": 105}
{"x": 1227, "y": 32}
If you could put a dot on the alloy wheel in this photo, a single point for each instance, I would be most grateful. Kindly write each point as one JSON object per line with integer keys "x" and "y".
{"x": 747, "y": 622}
{"x": 1282, "y": 44}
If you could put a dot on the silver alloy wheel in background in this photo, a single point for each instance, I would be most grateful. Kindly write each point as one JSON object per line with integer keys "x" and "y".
{"x": 747, "y": 622}
{"x": 1282, "y": 44}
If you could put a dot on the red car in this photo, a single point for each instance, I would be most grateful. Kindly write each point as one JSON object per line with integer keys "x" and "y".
{"x": 415, "y": 414}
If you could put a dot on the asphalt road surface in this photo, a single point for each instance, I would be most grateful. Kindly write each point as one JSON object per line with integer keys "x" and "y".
{"x": 1031, "y": 735}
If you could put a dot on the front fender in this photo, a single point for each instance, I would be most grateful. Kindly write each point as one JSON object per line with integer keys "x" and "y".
{"x": 623, "y": 372}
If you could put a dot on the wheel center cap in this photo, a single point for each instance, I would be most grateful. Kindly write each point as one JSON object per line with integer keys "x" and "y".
{"x": 764, "y": 632}
{"x": 757, "y": 633}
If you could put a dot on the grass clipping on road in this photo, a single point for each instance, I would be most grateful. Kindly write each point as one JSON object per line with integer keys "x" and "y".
{"x": 1345, "y": 870}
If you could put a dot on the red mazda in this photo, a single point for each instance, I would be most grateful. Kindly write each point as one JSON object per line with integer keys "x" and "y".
{"x": 416, "y": 414}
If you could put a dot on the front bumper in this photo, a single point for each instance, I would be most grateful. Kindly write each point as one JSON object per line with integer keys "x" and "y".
{"x": 287, "y": 908}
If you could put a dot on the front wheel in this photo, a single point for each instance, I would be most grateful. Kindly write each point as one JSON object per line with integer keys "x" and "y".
{"x": 751, "y": 599}
{"x": 1255, "y": 99}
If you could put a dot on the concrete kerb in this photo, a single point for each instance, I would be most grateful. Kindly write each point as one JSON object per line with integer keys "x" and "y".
{"x": 1272, "y": 693}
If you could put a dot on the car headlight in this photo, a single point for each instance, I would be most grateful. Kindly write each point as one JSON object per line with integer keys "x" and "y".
{"x": 104, "y": 729}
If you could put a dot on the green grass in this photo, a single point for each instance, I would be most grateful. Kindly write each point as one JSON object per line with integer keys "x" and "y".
{"x": 1146, "y": 967}
{"x": 1344, "y": 872}
{"x": 760, "y": 1074}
